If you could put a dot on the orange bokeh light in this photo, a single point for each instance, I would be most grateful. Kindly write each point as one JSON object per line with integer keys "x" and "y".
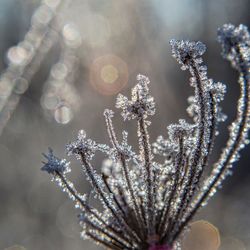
{"x": 202, "y": 235}
{"x": 109, "y": 74}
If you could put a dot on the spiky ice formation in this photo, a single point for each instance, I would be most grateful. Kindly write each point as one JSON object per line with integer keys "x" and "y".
{"x": 147, "y": 204}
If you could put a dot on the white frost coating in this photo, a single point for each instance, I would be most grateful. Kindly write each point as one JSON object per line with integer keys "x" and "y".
{"x": 141, "y": 103}
{"x": 54, "y": 164}
{"x": 148, "y": 201}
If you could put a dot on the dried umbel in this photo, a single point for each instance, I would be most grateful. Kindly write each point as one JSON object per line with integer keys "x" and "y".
{"x": 148, "y": 204}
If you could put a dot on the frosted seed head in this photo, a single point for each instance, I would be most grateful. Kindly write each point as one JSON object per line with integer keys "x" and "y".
{"x": 108, "y": 113}
{"x": 82, "y": 146}
{"x": 142, "y": 79}
{"x": 141, "y": 103}
{"x": 180, "y": 130}
{"x": 229, "y": 36}
{"x": 219, "y": 90}
{"x": 184, "y": 51}
{"x": 232, "y": 39}
{"x": 121, "y": 101}
{"x": 54, "y": 164}
{"x": 164, "y": 147}
{"x": 126, "y": 151}
{"x": 124, "y": 104}
{"x": 137, "y": 192}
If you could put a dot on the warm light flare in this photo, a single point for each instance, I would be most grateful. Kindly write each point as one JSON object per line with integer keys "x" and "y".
{"x": 202, "y": 235}
{"x": 109, "y": 74}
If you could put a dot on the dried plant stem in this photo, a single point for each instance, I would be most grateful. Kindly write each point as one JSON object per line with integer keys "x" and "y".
{"x": 147, "y": 204}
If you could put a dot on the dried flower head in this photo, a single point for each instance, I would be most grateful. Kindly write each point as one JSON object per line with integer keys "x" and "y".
{"x": 148, "y": 204}
{"x": 54, "y": 164}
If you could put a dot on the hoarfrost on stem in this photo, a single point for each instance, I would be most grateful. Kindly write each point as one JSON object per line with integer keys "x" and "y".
{"x": 147, "y": 204}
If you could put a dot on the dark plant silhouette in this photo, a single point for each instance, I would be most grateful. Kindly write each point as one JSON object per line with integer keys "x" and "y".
{"x": 148, "y": 204}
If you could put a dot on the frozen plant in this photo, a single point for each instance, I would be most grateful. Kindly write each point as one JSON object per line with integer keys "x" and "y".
{"x": 149, "y": 204}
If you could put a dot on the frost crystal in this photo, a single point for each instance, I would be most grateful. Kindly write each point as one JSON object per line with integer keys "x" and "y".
{"x": 233, "y": 39}
{"x": 164, "y": 147}
{"x": 148, "y": 203}
{"x": 55, "y": 164}
{"x": 141, "y": 104}
{"x": 181, "y": 130}
{"x": 83, "y": 146}
{"x": 184, "y": 51}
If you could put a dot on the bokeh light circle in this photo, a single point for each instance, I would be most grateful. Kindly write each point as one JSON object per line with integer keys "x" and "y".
{"x": 63, "y": 114}
{"x": 42, "y": 15}
{"x": 17, "y": 55}
{"x": 202, "y": 235}
{"x": 50, "y": 101}
{"x": 71, "y": 35}
{"x": 59, "y": 71}
{"x": 21, "y": 85}
{"x": 109, "y": 74}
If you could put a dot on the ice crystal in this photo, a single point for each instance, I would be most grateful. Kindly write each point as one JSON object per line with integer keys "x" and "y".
{"x": 186, "y": 51}
{"x": 147, "y": 204}
{"x": 141, "y": 103}
{"x": 55, "y": 164}
{"x": 181, "y": 130}
{"x": 233, "y": 39}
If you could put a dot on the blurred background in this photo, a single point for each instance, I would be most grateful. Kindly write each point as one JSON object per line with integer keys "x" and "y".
{"x": 62, "y": 63}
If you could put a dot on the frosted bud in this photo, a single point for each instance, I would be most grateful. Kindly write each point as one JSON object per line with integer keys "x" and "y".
{"x": 219, "y": 90}
{"x": 108, "y": 113}
{"x": 232, "y": 39}
{"x": 183, "y": 51}
{"x": 83, "y": 146}
{"x": 55, "y": 164}
{"x": 183, "y": 129}
{"x": 141, "y": 103}
{"x": 164, "y": 147}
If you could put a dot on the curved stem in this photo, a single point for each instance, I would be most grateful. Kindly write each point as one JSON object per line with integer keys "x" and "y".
{"x": 107, "y": 202}
{"x": 87, "y": 208}
{"x": 114, "y": 141}
{"x": 236, "y": 139}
